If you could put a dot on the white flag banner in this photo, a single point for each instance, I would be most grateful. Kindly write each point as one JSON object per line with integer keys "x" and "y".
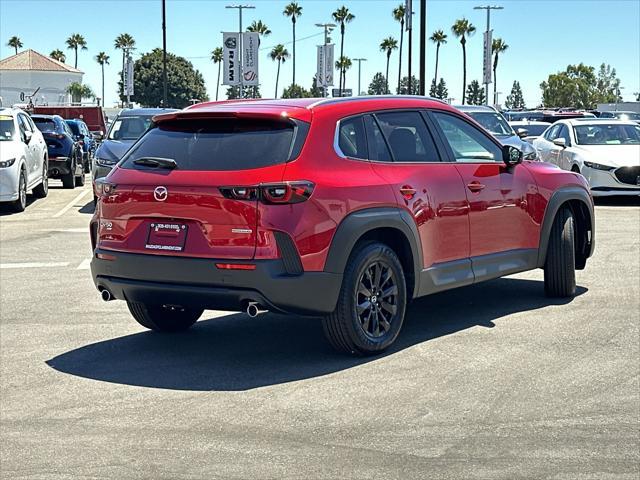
{"x": 128, "y": 78}
{"x": 486, "y": 70}
{"x": 408, "y": 14}
{"x": 320, "y": 78}
{"x": 250, "y": 42}
{"x": 230, "y": 65}
{"x": 328, "y": 65}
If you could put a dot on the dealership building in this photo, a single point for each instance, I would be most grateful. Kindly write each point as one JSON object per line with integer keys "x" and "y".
{"x": 22, "y": 74}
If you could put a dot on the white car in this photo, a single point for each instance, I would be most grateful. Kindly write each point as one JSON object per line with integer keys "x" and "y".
{"x": 533, "y": 129}
{"x": 23, "y": 159}
{"x": 606, "y": 152}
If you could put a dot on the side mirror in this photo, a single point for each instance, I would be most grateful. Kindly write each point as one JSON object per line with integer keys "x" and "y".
{"x": 561, "y": 142}
{"x": 27, "y": 136}
{"x": 522, "y": 132}
{"x": 80, "y": 136}
{"x": 511, "y": 155}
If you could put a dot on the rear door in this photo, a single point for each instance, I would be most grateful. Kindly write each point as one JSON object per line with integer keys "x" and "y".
{"x": 207, "y": 205}
{"x": 404, "y": 153}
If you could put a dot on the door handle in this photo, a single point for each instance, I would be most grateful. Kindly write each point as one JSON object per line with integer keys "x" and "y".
{"x": 475, "y": 186}
{"x": 407, "y": 192}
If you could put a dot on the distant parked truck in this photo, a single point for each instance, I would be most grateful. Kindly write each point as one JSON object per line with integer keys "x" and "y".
{"x": 92, "y": 115}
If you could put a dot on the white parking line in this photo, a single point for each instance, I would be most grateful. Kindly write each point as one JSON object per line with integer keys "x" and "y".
{"x": 66, "y": 230}
{"x": 33, "y": 265}
{"x": 84, "y": 265}
{"x": 71, "y": 203}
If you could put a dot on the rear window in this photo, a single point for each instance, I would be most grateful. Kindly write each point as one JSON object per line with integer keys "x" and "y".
{"x": 220, "y": 144}
{"x": 45, "y": 124}
{"x": 129, "y": 127}
{"x": 74, "y": 127}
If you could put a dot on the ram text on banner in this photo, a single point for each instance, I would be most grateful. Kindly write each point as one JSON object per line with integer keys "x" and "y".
{"x": 250, "y": 43}
{"x": 486, "y": 68}
{"x": 230, "y": 66}
{"x": 328, "y": 65}
{"x": 320, "y": 80}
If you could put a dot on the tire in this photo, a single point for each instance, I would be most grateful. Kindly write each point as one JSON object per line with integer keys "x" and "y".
{"x": 21, "y": 203}
{"x": 355, "y": 326}
{"x": 87, "y": 163}
{"x": 80, "y": 179}
{"x": 42, "y": 190}
{"x": 69, "y": 179}
{"x": 163, "y": 319}
{"x": 560, "y": 264}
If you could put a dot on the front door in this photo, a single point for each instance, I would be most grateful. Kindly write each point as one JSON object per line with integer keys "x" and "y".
{"x": 501, "y": 198}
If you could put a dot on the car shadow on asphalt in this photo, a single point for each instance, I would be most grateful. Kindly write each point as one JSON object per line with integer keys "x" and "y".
{"x": 88, "y": 208}
{"x": 620, "y": 201}
{"x": 236, "y": 353}
{"x": 7, "y": 209}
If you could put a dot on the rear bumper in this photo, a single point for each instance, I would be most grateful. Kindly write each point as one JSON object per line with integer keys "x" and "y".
{"x": 199, "y": 283}
{"x": 58, "y": 166}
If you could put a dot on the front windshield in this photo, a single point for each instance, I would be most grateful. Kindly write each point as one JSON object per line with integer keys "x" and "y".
{"x": 535, "y": 130}
{"x": 607, "y": 134}
{"x": 7, "y": 128}
{"x": 493, "y": 122}
{"x": 129, "y": 128}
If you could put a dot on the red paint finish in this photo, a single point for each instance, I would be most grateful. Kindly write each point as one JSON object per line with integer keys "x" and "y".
{"x": 459, "y": 209}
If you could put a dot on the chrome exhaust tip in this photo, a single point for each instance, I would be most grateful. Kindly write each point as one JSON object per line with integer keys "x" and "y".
{"x": 106, "y": 295}
{"x": 253, "y": 309}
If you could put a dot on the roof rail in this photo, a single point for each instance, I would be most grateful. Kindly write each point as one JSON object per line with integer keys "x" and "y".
{"x": 329, "y": 101}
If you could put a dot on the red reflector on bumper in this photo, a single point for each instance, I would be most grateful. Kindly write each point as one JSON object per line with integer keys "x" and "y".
{"x": 235, "y": 266}
{"x": 105, "y": 256}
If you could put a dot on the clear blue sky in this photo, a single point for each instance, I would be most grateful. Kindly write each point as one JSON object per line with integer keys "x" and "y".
{"x": 544, "y": 36}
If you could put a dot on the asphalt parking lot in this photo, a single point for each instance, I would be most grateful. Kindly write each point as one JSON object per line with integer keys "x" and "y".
{"x": 492, "y": 381}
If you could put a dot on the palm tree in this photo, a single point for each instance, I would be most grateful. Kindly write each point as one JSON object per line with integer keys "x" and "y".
{"x": 388, "y": 45}
{"x": 398, "y": 15}
{"x": 461, "y": 29}
{"x": 15, "y": 42}
{"x": 278, "y": 54}
{"x": 343, "y": 64}
{"x": 78, "y": 91}
{"x": 58, "y": 55}
{"x": 259, "y": 27}
{"x": 123, "y": 42}
{"x": 217, "y": 57}
{"x": 342, "y": 16}
{"x": 103, "y": 59}
{"x": 498, "y": 46}
{"x": 74, "y": 42}
{"x": 439, "y": 38}
{"x": 293, "y": 10}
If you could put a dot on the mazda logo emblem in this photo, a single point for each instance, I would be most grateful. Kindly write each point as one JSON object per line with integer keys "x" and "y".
{"x": 160, "y": 194}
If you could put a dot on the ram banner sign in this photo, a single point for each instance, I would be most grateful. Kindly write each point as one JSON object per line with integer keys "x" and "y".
{"x": 230, "y": 65}
{"x": 324, "y": 67}
{"x": 486, "y": 68}
{"x": 250, "y": 42}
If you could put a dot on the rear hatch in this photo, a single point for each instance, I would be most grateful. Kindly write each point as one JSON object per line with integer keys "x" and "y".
{"x": 186, "y": 187}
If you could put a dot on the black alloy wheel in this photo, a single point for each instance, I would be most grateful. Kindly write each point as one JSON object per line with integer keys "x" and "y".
{"x": 376, "y": 299}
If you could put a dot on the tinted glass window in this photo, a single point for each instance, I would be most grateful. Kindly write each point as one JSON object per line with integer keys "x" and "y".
{"x": 7, "y": 128}
{"x": 534, "y": 130}
{"x": 607, "y": 134}
{"x": 220, "y": 144}
{"x": 564, "y": 133}
{"x": 74, "y": 127}
{"x": 467, "y": 142}
{"x": 45, "y": 124}
{"x": 378, "y": 149}
{"x": 24, "y": 123}
{"x": 493, "y": 122}
{"x": 408, "y": 137}
{"x": 552, "y": 133}
{"x": 129, "y": 128}
{"x": 352, "y": 139}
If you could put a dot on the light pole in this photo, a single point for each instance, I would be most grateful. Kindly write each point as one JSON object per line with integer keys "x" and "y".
{"x": 164, "y": 55}
{"x": 487, "y": 60}
{"x": 423, "y": 46}
{"x": 359, "y": 60}
{"x": 328, "y": 27}
{"x": 240, "y": 8}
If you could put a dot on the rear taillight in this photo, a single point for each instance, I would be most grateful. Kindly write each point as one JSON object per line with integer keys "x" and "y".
{"x": 272, "y": 193}
{"x": 104, "y": 188}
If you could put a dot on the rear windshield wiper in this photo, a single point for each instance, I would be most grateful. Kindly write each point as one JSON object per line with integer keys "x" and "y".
{"x": 156, "y": 162}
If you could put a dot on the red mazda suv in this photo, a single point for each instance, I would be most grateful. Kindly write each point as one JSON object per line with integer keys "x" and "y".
{"x": 342, "y": 208}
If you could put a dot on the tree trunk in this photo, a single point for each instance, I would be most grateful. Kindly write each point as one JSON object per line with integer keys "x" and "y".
{"x": 341, "y": 55}
{"x": 122, "y": 76}
{"x": 294, "y": 50}
{"x": 464, "y": 69}
{"x": 218, "y": 84}
{"x": 103, "y": 84}
{"x": 277, "y": 79}
{"x": 400, "y": 55}
{"x": 16, "y": 47}
{"x": 435, "y": 78}
{"x": 387, "y": 77}
{"x": 495, "y": 82}
{"x": 76, "y": 62}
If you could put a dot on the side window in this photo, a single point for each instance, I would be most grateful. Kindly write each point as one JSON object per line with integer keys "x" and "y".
{"x": 467, "y": 142}
{"x": 564, "y": 133}
{"x": 408, "y": 137}
{"x": 552, "y": 133}
{"x": 22, "y": 127}
{"x": 352, "y": 139}
{"x": 378, "y": 149}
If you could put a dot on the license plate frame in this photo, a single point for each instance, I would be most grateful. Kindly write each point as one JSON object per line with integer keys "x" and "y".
{"x": 167, "y": 236}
